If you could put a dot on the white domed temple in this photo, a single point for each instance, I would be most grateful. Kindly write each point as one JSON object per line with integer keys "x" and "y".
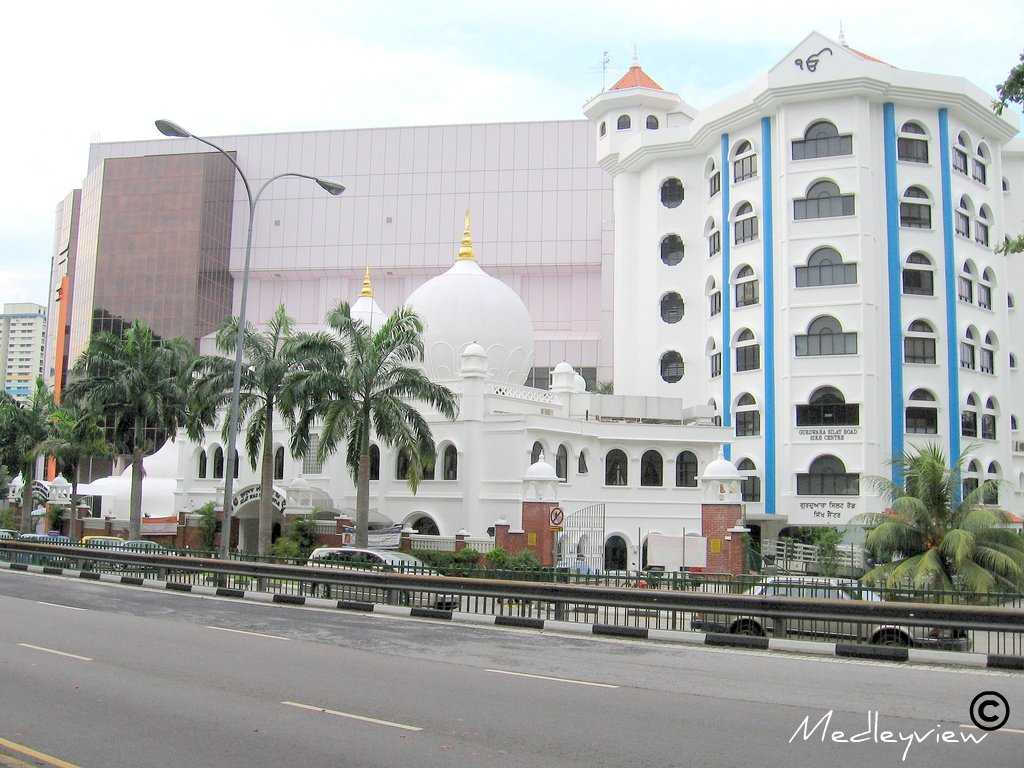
{"x": 633, "y": 463}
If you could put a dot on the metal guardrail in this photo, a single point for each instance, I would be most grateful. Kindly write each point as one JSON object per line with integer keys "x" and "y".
{"x": 988, "y": 629}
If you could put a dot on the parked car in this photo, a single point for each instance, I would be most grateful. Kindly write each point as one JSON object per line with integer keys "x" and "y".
{"x": 103, "y": 542}
{"x": 143, "y": 545}
{"x": 383, "y": 560}
{"x": 950, "y": 639}
{"x": 44, "y": 538}
{"x": 6, "y": 534}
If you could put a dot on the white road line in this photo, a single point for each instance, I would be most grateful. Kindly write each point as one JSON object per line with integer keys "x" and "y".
{"x": 59, "y": 605}
{"x": 555, "y": 679}
{"x": 349, "y": 715}
{"x": 244, "y": 632}
{"x": 58, "y": 653}
{"x": 1001, "y": 730}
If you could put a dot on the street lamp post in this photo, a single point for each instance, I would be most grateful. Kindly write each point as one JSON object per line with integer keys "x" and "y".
{"x": 167, "y": 128}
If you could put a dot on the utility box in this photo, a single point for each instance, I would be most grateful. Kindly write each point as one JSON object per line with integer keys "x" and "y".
{"x": 668, "y": 552}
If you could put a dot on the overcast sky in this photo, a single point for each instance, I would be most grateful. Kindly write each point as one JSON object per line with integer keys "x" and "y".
{"x": 77, "y": 72}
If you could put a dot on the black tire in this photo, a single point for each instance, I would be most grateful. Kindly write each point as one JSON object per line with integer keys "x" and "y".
{"x": 746, "y": 627}
{"x": 893, "y": 638}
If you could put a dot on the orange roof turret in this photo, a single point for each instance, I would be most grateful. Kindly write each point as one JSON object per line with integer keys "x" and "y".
{"x": 636, "y": 78}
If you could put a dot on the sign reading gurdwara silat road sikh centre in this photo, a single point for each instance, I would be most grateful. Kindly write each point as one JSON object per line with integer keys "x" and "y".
{"x": 827, "y": 434}
{"x": 823, "y": 510}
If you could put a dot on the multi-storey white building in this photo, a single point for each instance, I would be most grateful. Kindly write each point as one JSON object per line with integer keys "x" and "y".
{"x": 817, "y": 258}
{"x": 22, "y": 337}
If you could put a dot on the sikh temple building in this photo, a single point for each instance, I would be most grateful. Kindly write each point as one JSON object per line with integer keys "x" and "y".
{"x": 805, "y": 275}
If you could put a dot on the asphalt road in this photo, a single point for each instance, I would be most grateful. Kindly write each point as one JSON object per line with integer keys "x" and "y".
{"x": 160, "y": 679}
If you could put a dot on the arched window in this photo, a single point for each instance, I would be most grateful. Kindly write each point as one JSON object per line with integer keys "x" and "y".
{"x": 616, "y": 554}
{"x": 744, "y": 164}
{"x": 615, "y": 468}
{"x": 1006, "y": 185}
{"x": 403, "y": 464}
{"x": 651, "y": 469}
{"x": 623, "y": 123}
{"x": 919, "y": 343}
{"x": 922, "y": 416}
{"x": 236, "y": 463}
{"x": 1013, "y": 422}
{"x": 562, "y": 463}
{"x": 1010, "y": 302}
{"x": 822, "y": 139}
{"x": 671, "y": 250}
{"x": 979, "y": 168}
{"x": 823, "y": 200}
{"x": 581, "y": 464}
{"x": 714, "y": 236}
{"x": 748, "y": 351}
{"x": 748, "y": 417}
{"x": 912, "y": 143}
{"x": 671, "y": 367}
{"x": 714, "y": 358}
{"x": 750, "y": 486}
{"x": 744, "y": 224}
{"x": 745, "y": 282}
{"x": 1013, "y": 361}
{"x": 971, "y": 479}
{"x": 671, "y": 193}
{"x": 827, "y": 476}
{"x": 201, "y": 469}
{"x": 919, "y": 275}
{"x": 374, "y": 462}
{"x": 218, "y": 463}
{"x": 450, "y": 463}
{"x": 965, "y": 282}
{"x": 602, "y": 130}
{"x": 825, "y": 267}
{"x": 672, "y": 307}
{"x": 988, "y": 419}
{"x": 990, "y": 495}
{"x": 987, "y": 360}
{"x": 981, "y": 225}
{"x": 279, "y": 463}
{"x": 960, "y": 152}
{"x": 969, "y": 417}
{"x": 714, "y": 297}
{"x": 826, "y": 407}
{"x": 916, "y": 209}
{"x": 714, "y": 177}
{"x": 825, "y": 336}
{"x": 964, "y": 211}
{"x": 716, "y": 420}
{"x": 968, "y": 349}
{"x": 686, "y": 470}
{"x": 536, "y": 452}
{"x": 425, "y": 526}
{"x": 652, "y": 123}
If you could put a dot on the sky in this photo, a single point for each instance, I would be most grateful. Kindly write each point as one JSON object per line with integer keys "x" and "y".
{"x": 80, "y": 72}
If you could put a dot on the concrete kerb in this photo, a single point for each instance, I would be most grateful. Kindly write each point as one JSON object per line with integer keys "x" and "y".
{"x": 782, "y": 645}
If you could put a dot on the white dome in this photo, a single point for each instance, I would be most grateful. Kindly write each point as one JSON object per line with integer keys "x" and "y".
{"x": 466, "y": 305}
{"x": 721, "y": 469}
{"x": 541, "y": 470}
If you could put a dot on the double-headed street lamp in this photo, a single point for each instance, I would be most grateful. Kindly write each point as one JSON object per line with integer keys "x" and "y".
{"x": 167, "y": 128}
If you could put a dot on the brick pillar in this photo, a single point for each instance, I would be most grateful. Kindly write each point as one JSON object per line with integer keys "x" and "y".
{"x": 405, "y": 542}
{"x": 460, "y": 540}
{"x": 540, "y": 538}
{"x": 725, "y": 550}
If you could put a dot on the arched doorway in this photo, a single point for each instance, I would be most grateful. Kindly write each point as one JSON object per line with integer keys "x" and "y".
{"x": 424, "y": 525}
{"x": 616, "y": 554}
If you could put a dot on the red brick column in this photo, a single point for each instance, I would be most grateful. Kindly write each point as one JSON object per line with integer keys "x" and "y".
{"x": 725, "y": 550}
{"x": 460, "y": 541}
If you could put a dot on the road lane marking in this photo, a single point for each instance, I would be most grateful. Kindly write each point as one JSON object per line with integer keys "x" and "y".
{"x": 998, "y": 730}
{"x": 13, "y": 762}
{"x": 244, "y": 632}
{"x": 51, "y": 650}
{"x": 361, "y": 718}
{"x": 60, "y": 605}
{"x": 56, "y": 762}
{"x": 555, "y": 679}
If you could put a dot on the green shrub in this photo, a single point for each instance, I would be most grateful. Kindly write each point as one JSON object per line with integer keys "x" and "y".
{"x": 524, "y": 561}
{"x": 298, "y": 539}
{"x": 7, "y": 519}
{"x": 497, "y": 558}
{"x": 207, "y": 526}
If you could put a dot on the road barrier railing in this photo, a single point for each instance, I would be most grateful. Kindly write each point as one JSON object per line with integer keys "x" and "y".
{"x": 748, "y": 619}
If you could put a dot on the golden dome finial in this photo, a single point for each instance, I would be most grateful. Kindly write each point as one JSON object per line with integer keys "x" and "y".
{"x": 367, "y": 286}
{"x": 466, "y": 251}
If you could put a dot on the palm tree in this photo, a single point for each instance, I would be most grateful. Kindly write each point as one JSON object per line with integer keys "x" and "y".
{"x": 75, "y": 435}
{"x": 357, "y": 380}
{"x": 26, "y": 428}
{"x": 932, "y": 541}
{"x": 140, "y": 385}
{"x": 271, "y": 361}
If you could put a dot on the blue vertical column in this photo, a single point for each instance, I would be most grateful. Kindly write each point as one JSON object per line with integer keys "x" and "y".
{"x": 726, "y": 296}
{"x": 892, "y": 226}
{"x": 949, "y": 266}
{"x": 768, "y": 238}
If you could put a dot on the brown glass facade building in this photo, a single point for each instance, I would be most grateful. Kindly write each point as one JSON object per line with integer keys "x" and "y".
{"x": 154, "y": 236}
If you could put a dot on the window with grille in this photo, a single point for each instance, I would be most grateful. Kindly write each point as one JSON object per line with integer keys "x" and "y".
{"x": 963, "y": 224}
{"x": 744, "y": 168}
{"x": 988, "y": 361}
{"x": 988, "y": 426}
{"x": 745, "y": 230}
{"x": 748, "y": 423}
{"x": 715, "y": 184}
{"x": 960, "y": 161}
{"x": 827, "y": 477}
{"x": 826, "y": 337}
{"x": 714, "y": 243}
{"x": 825, "y": 267}
{"x": 965, "y": 289}
{"x": 984, "y": 296}
{"x": 821, "y": 145}
{"x": 981, "y": 233}
{"x": 748, "y": 358}
{"x": 918, "y": 282}
{"x": 715, "y": 302}
{"x": 686, "y": 470}
{"x": 918, "y": 350}
{"x": 672, "y": 308}
{"x": 915, "y": 215}
{"x": 966, "y": 355}
{"x": 311, "y": 464}
{"x": 746, "y": 293}
{"x": 716, "y": 365}
{"x": 826, "y": 206}
{"x": 968, "y": 424}
{"x": 922, "y": 421}
{"x": 912, "y": 150}
{"x": 980, "y": 172}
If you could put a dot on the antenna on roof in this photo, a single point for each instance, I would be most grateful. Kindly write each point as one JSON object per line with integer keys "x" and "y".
{"x": 842, "y": 35}
{"x": 636, "y": 56}
{"x": 603, "y": 66}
